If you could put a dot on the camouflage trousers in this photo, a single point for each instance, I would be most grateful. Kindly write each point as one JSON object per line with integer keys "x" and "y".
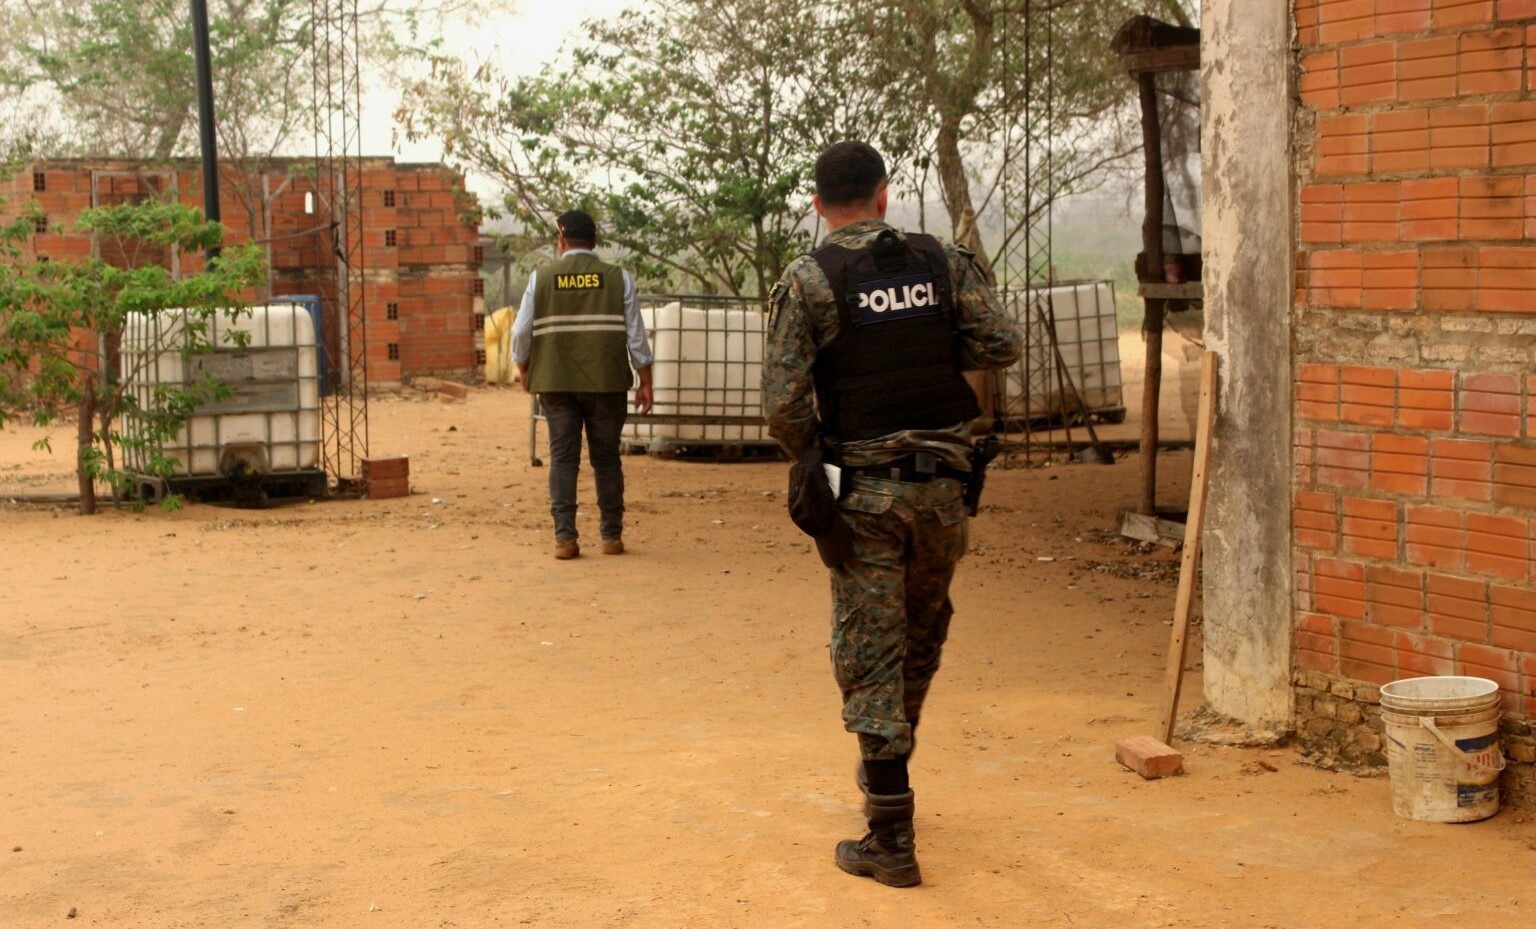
{"x": 890, "y": 605}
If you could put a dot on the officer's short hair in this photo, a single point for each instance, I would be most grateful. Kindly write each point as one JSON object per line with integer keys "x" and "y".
{"x": 848, "y": 172}
{"x": 578, "y": 228}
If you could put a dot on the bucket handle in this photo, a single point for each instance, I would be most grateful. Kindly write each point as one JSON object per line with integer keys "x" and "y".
{"x": 1429, "y": 723}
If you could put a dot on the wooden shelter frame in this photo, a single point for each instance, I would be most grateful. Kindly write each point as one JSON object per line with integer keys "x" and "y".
{"x": 1147, "y": 48}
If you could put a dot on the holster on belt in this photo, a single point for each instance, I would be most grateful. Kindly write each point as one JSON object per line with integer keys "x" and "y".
{"x": 813, "y": 508}
{"x": 982, "y": 454}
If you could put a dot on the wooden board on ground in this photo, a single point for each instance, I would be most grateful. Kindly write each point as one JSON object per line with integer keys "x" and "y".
{"x": 1144, "y": 528}
{"x": 1189, "y": 565}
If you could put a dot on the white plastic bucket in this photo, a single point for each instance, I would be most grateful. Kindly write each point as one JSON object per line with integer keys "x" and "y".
{"x": 1443, "y": 752}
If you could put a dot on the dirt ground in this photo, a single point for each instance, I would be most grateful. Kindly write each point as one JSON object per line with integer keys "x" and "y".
{"x": 407, "y": 714}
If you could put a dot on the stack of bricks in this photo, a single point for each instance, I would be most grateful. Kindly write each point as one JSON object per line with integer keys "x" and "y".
{"x": 387, "y": 477}
{"x": 1415, "y": 330}
{"x": 1413, "y": 524}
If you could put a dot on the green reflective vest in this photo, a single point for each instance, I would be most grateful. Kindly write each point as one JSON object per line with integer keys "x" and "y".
{"x": 579, "y": 343}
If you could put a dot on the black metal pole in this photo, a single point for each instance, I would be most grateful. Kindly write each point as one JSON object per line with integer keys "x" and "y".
{"x": 205, "y": 124}
{"x": 1153, "y": 317}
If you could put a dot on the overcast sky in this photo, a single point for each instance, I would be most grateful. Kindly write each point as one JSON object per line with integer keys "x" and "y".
{"x": 520, "y": 41}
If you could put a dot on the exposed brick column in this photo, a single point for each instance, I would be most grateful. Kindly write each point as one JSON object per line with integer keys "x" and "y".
{"x": 435, "y": 237}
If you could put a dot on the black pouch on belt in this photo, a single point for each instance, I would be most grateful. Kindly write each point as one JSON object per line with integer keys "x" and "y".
{"x": 814, "y": 509}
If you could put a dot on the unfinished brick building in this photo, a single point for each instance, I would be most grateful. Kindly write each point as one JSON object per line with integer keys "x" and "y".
{"x": 420, "y": 253}
{"x": 1370, "y": 193}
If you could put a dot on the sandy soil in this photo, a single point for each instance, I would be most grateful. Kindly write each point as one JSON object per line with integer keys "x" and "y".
{"x": 406, "y": 714}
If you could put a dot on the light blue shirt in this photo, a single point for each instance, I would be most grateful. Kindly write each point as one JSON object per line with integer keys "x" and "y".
{"x": 634, "y": 327}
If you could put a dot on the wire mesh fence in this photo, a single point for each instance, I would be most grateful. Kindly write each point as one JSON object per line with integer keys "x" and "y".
{"x": 1078, "y": 372}
{"x": 705, "y": 379}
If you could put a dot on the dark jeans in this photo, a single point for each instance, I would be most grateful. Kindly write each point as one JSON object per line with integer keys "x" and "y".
{"x": 602, "y": 416}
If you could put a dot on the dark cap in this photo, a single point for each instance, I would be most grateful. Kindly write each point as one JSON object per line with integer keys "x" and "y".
{"x": 577, "y": 226}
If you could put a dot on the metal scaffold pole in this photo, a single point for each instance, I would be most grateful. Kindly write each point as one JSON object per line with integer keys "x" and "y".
{"x": 339, "y": 201}
{"x": 1029, "y": 90}
{"x": 202, "y": 59}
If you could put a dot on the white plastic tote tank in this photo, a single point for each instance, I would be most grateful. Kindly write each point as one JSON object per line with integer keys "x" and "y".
{"x": 1087, "y": 334}
{"x": 269, "y": 425}
{"x": 708, "y": 368}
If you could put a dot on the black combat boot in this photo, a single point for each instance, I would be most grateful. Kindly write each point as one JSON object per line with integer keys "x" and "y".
{"x": 888, "y": 853}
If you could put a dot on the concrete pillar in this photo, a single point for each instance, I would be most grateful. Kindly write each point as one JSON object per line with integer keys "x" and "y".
{"x": 1249, "y": 244}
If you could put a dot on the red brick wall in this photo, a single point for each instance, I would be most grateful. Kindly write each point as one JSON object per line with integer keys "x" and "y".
{"x": 436, "y": 329}
{"x": 1415, "y": 332}
{"x": 429, "y": 273}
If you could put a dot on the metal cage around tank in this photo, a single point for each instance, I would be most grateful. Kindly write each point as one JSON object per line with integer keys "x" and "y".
{"x": 705, "y": 378}
{"x": 264, "y": 431}
{"x": 1077, "y": 372}
{"x": 709, "y": 353}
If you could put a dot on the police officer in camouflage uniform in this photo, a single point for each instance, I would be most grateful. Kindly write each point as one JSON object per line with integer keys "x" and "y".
{"x": 867, "y": 340}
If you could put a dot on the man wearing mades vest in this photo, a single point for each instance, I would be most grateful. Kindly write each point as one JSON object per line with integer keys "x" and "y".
{"x": 577, "y": 333}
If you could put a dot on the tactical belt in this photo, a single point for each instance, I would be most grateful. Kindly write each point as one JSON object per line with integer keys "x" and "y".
{"x": 913, "y": 469}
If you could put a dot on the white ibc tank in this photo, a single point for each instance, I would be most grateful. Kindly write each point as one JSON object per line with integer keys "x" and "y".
{"x": 1087, "y": 334}
{"x": 708, "y": 368}
{"x": 270, "y": 423}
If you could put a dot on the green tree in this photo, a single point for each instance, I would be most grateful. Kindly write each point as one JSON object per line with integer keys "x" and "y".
{"x": 58, "y": 318}
{"x": 121, "y": 75}
{"x": 689, "y": 127}
{"x": 1017, "y": 104}
{"x": 119, "y": 78}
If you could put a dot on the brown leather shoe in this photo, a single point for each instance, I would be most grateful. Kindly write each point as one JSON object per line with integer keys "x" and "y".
{"x": 613, "y": 546}
{"x": 566, "y": 549}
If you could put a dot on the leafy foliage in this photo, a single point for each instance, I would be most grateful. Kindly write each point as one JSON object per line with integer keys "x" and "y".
{"x": 690, "y": 126}
{"x": 689, "y": 129}
{"x": 120, "y": 73}
{"x": 1018, "y": 104}
{"x": 60, "y": 322}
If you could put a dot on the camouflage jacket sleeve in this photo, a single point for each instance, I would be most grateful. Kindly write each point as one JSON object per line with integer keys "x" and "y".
{"x": 789, "y": 352}
{"x": 989, "y": 338}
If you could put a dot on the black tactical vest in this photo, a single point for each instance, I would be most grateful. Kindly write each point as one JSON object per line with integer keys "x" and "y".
{"x": 895, "y": 364}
